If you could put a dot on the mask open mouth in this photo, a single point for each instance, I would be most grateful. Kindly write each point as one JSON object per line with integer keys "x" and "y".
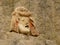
{"x": 27, "y": 26}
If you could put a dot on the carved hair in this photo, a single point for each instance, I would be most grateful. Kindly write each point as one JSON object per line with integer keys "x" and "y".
{"x": 22, "y": 11}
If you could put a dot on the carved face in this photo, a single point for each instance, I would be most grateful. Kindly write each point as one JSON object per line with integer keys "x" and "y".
{"x": 21, "y": 21}
{"x": 24, "y": 25}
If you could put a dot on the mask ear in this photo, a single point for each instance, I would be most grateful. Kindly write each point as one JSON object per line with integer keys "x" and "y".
{"x": 34, "y": 32}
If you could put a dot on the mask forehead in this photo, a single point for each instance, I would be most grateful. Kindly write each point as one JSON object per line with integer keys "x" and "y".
{"x": 24, "y": 20}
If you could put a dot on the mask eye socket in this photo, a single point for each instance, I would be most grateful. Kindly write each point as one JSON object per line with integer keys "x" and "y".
{"x": 18, "y": 18}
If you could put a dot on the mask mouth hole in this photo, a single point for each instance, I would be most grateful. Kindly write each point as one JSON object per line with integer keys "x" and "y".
{"x": 27, "y": 26}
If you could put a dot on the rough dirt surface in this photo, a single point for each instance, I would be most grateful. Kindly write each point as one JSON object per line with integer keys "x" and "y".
{"x": 12, "y": 38}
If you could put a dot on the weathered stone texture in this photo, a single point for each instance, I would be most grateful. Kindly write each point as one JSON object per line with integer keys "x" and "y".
{"x": 45, "y": 12}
